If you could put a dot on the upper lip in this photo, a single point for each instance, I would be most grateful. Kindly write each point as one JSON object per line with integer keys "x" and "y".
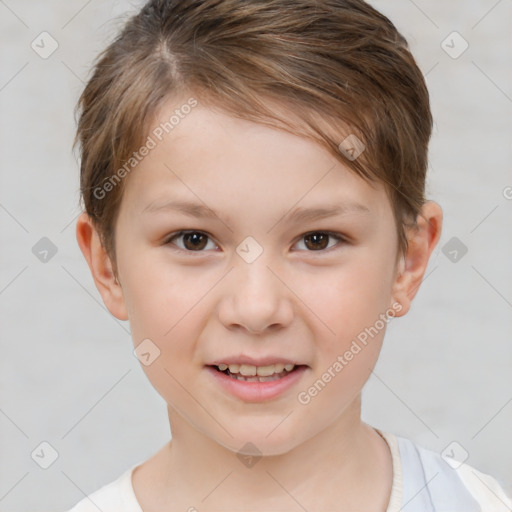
{"x": 253, "y": 361}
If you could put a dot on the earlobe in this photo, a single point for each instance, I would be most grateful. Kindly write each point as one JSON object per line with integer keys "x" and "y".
{"x": 100, "y": 266}
{"x": 422, "y": 239}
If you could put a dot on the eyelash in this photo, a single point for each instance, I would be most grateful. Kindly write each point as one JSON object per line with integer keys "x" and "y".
{"x": 341, "y": 240}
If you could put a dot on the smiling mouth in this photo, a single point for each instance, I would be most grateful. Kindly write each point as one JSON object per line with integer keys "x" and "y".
{"x": 249, "y": 373}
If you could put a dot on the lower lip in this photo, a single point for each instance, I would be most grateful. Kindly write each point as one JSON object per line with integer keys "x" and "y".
{"x": 257, "y": 391}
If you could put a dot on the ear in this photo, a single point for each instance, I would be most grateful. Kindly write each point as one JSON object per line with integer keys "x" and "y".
{"x": 100, "y": 266}
{"x": 422, "y": 240}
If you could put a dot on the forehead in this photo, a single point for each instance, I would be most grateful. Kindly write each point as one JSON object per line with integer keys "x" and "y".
{"x": 221, "y": 161}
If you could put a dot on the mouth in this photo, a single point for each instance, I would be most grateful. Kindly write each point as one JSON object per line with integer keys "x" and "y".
{"x": 250, "y": 373}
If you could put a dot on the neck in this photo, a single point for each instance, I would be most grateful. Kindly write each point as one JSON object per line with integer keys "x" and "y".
{"x": 337, "y": 467}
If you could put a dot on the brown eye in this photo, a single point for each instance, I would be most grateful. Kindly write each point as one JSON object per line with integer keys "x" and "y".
{"x": 316, "y": 241}
{"x": 319, "y": 240}
{"x": 193, "y": 241}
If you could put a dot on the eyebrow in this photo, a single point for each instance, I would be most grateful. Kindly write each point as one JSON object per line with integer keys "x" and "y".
{"x": 300, "y": 214}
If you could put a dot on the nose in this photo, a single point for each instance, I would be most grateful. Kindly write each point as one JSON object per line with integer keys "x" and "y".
{"x": 255, "y": 299}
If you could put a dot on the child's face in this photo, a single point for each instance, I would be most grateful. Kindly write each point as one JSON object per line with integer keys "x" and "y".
{"x": 302, "y": 299}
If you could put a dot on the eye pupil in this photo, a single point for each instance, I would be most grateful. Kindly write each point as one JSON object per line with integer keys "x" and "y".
{"x": 317, "y": 238}
{"x": 198, "y": 240}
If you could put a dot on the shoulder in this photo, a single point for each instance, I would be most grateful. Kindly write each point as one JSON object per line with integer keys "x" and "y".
{"x": 444, "y": 484}
{"x": 115, "y": 496}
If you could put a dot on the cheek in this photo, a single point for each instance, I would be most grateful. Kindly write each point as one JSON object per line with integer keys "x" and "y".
{"x": 165, "y": 307}
{"x": 347, "y": 298}
{"x": 159, "y": 296}
{"x": 349, "y": 331}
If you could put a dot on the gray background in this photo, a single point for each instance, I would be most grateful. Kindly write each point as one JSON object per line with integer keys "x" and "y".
{"x": 68, "y": 375}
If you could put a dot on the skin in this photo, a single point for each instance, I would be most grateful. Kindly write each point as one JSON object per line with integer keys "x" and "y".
{"x": 296, "y": 300}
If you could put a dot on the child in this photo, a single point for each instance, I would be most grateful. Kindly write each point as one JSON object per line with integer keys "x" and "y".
{"x": 253, "y": 177}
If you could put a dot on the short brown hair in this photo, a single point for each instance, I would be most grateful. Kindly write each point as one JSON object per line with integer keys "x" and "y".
{"x": 337, "y": 66}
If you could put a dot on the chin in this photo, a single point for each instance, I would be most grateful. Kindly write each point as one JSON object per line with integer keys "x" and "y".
{"x": 251, "y": 442}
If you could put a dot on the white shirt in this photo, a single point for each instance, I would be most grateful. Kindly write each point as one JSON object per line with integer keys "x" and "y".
{"x": 423, "y": 481}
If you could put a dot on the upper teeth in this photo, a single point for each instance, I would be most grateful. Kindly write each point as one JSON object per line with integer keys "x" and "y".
{"x": 262, "y": 371}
